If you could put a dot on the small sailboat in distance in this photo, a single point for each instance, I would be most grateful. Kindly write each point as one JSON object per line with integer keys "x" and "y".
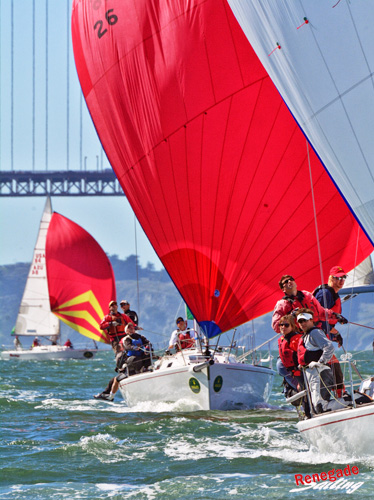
{"x": 70, "y": 280}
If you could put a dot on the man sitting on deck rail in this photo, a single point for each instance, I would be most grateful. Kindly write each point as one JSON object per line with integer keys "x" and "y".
{"x": 183, "y": 337}
{"x": 132, "y": 358}
{"x": 137, "y": 349}
{"x": 314, "y": 351}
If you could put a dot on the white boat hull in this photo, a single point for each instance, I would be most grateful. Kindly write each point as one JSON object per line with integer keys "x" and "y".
{"x": 44, "y": 353}
{"x": 221, "y": 386}
{"x": 349, "y": 431}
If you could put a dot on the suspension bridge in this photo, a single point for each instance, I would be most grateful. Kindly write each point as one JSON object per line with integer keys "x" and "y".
{"x": 48, "y": 144}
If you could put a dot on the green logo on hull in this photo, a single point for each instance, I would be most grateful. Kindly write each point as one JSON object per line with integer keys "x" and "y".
{"x": 194, "y": 385}
{"x": 217, "y": 384}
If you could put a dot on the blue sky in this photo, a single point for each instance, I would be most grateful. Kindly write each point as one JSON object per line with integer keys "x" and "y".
{"x": 65, "y": 139}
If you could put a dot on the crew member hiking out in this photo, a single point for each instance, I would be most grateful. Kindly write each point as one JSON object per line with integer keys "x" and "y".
{"x": 328, "y": 296}
{"x": 314, "y": 352}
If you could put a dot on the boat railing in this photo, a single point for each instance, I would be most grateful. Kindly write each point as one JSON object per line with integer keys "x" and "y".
{"x": 340, "y": 402}
{"x": 252, "y": 352}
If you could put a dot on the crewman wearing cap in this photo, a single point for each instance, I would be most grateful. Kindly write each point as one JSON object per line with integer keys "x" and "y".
{"x": 125, "y": 306}
{"x": 183, "y": 337}
{"x": 328, "y": 296}
{"x": 314, "y": 351}
{"x": 115, "y": 323}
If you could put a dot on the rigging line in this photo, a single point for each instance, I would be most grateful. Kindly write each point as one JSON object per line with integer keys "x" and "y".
{"x": 155, "y": 333}
{"x": 11, "y": 86}
{"x": 315, "y": 216}
{"x": 33, "y": 85}
{"x": 137, "y": 267}
{"x": 353, "y": 281}
{"x": 80, "y": 130}
{"x": 0, "y": 93}
{"x": 46, "y": 84}
{"x": 67, "y": 83}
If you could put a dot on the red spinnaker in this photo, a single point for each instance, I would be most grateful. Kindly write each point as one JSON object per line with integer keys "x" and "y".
{"x": 80, "y": 277}
{"x": 210, "y": 158}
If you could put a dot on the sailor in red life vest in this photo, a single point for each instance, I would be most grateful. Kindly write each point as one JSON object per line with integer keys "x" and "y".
{"x": 287, "y": 363}
{"x": 328, "y": 296}
{"x": 35, "y": 343}
{"x": 115, "y": 323}
{"x": 314, "y": 351}
{"x": 294, "y": 299}
{"x": 68, "y": 344}
{"x": 183, "y": 337}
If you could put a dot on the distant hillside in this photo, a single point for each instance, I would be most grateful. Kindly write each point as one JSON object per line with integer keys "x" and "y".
{"x": 158, "y": 298}
{"x": 160, "y": 303}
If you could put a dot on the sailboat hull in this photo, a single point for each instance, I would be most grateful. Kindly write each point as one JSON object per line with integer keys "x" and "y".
{"x": 220, "y": 386}
{"x": 46, "y": 353}
{"x": 347, "y": 431}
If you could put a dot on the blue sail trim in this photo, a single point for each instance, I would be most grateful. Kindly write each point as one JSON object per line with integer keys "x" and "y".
{"x": 210, "y": 329}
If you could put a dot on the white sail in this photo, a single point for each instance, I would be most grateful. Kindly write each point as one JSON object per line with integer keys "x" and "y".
{"x": 35, "y": 317}
{"x": 360, "y": 279}
{"x": 323, "y": 70}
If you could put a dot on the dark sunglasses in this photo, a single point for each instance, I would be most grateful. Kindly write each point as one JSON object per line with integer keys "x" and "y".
{"x": 180, "y": 321}
{"x": 285, "y": 282}
{"x": 340, "y": 277}
{"x": 301, "y": 321}
{"x": 284, "y": 324}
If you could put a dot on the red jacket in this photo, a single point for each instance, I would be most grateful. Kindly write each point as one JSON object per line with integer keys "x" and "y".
{"x": 302, "y": 299}
{"x": 115, "y": 332}
{"x": 185, "y": 340}
{"x": 288, "y": 351}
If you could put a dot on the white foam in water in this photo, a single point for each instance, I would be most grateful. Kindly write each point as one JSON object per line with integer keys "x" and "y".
{"x": 17, "y": 395}
{"x": 183, "y": 405}
{"x": 114, "y": 487}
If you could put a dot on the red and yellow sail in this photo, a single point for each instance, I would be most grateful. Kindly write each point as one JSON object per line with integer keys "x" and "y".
{"x": 80, "y": 277}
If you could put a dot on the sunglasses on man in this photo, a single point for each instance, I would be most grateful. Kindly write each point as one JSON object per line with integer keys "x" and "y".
{"x": 287, "y": 281}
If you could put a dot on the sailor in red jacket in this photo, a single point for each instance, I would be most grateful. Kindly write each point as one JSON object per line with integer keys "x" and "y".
{"x": 295, "y": 299}
{"x": 328, "y": 296}
{"x": 183, "y": 337}
{"x": 115, "y": 323}
{"x": 287, "y": 364}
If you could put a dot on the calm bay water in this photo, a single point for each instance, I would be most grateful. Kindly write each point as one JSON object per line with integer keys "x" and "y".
{"x": 57, "y": 442}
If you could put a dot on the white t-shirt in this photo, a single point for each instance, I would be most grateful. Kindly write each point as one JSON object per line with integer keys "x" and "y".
{"x": 174, "y": 336}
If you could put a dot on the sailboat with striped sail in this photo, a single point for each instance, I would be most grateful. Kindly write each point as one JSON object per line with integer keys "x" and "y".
{"x": 70, "y": 280}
